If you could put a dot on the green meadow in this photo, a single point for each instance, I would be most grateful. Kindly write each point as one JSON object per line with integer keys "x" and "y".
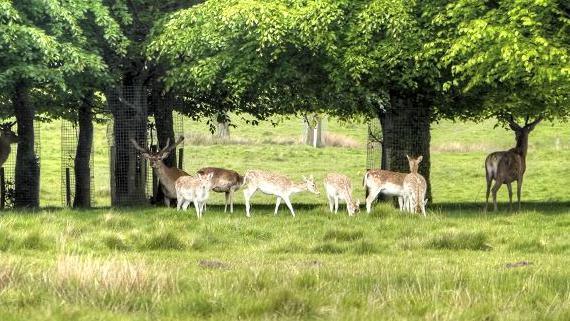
{"x": 159, "y": 264}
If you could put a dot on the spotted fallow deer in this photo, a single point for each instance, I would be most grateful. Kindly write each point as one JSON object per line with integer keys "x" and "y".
{"x": 166, "y": 175}
{"x": 7, "y": 137}
{"x": 387, "y": 182}
{"x": 338, "y": 186}
{"x": 508, "y": 166}
{"x": 193, "y": 189}
{"x": 415, "y": 188}
{"x": 224, "y": 181}
{"x": 275, "y": 184}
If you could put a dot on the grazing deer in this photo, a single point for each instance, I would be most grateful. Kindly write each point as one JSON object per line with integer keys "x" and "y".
{"x": 7, "y": 137}
{"x": 387, "y": 182}
{"x": 224, "y": 181}
{"x": 338, "y": 186}
{"x": 415, "y": 188}
{"x": 166, "y": 175}
{"x": 508, "y": 166}
{"x": 193, "y": 189}
{"x": 275, "y": 184}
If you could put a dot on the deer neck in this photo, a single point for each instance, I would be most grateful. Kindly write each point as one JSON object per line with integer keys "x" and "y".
{"x": 522, "y": 145}
{"x": 162, "y": 171}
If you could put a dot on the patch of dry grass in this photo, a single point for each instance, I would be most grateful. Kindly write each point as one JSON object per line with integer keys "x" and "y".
{"x": 340, "y": 140}
{"x": 114, "y": 283}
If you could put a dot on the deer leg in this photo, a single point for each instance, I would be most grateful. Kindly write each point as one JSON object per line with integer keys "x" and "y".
{"x": 331, "y": 202}
{"x": 231, "y": 200}
{"x": 519, "y": 188}
{"x": 489, "y": 180}
{"x": 494, "y": 191}
{"x": 401, "y": 203}
{"x": 288, "y": 202}
{"x": 167, "y": 201}
{"x": 336, "y": 204}
{"x": 198, "y": 209}
{"x": 179, "y": 201}
{"x": 185, "y": 205}
{"x": 371, "y": 197}
{"x": 247, "y": 194}
{"x": 227, "y": 195}
{"x": 277, "y": 202}
{"x": 510, "y": 190}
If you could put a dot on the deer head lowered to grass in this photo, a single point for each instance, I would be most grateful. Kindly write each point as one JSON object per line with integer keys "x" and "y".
{"x": 508, "y": 166}
{"x": 166, "y": 175}
{"x": 7, "y": 137}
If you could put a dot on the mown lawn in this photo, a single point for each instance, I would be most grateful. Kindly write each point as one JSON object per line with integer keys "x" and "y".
{"x": 156, "y": 263}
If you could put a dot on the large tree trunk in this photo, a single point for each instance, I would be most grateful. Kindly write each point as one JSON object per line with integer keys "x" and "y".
{"x": 27, "y": 180}
{"x": 83, "y": 153}
{"x": 406, "y": 131}
{"x": 130, "y": 121}
{"x": 162, "y": 107}
{"x": 161, "y": 104}
{"x": 222, "y": 126}
{"x": 313, "y": 133}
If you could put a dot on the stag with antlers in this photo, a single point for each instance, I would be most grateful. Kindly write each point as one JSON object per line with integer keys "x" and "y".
{"x": 166, "y": 175}
{"x": 7, "y": 137}
{"x": 508, "y": 166}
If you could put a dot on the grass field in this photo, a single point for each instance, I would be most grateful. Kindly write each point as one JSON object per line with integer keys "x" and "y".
{"x": 150, "y": 264}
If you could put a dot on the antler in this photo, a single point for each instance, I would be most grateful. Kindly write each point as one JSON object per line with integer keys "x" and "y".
{"x": 144, "y": 150}
{"x": 168, "y": 149}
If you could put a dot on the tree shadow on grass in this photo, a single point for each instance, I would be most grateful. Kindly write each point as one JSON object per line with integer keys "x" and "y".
{"x": 470, "y": 208}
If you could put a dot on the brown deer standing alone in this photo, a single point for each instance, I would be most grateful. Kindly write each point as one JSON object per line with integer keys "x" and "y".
{"x": 508, "y": 166}
{"x": 7, "y": 137}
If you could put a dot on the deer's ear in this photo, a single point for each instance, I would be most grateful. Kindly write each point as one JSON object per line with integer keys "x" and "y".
{"x": 420, "y": 158}
{"x": 304, "y": 178}
{"x": 408, "y": 157}
{"x": 312, "y": 178}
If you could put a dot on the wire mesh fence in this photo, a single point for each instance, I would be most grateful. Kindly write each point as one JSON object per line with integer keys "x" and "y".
{"x": 8, "y": 173}
{"x": 69, "y": 140}
{"x": 128, "y": 105}
{"x": 374, "y": 146}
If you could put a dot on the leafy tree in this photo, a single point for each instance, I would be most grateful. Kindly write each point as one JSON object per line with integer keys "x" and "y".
{"x": 339, "y": 57}
{"x": 43, "y": 47}
{"x": 514, "y": 54}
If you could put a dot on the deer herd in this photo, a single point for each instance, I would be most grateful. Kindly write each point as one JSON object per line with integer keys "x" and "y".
{"x": 504, "y": 167}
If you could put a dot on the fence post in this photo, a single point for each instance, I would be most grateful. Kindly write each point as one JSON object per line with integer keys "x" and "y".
{"x": 2, "y": 188}
{"x": 67, "y": 187}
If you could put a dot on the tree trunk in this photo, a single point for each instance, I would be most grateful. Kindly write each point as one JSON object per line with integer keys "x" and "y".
{"x": 27, "y": 180}
{"x": 162, "y": 107}
{"x": 406, "y": 131}
{"x": 130, "y": 121}
{"x": 223, "y": 130}
{"x": 313, "y": 135}
{"x": 83, "y": 153}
